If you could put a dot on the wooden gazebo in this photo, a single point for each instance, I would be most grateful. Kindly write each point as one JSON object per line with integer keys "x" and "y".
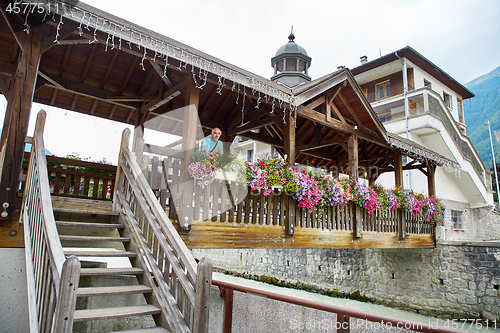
{"x": 76, "y": 57}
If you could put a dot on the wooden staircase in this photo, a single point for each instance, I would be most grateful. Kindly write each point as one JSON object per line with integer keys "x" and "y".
{"x": 89, "y": 230}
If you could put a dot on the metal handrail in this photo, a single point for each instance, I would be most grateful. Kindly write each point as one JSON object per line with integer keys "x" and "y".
{"x": 340, "y": 311}
{"x": 52, "y": 279}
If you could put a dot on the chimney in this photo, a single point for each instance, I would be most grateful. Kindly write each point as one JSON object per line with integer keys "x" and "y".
{"x": 364, "y": 59}
{"x": 340, "y": 67}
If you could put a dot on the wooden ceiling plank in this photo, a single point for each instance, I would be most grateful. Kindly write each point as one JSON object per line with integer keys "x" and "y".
{"x": 218, "y": 110}
{"x": 110, "y": 68}
{"x": 209, "y": 99}
{"x": 145, "y": 83}
{"x": 167, "y": 96}
{"x": 65, "y": 60}
{"x": 127, "y": 77}
{"x": 88, "y": 63}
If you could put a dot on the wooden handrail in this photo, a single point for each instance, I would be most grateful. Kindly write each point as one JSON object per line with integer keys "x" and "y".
{"x": 51, "y": 303}
{"x": 183, "y": 283}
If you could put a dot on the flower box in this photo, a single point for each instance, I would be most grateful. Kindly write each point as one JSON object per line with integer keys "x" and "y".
{"x": 226, "y": 175}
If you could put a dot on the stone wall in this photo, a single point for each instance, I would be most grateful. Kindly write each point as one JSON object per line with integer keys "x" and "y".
{"x": 450, "y": 281}
{"x": 478, "y": 224}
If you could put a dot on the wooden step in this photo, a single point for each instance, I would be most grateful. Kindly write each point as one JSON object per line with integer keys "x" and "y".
{"x": 146, "y": 330}
{"x": 88, "y": 225}
{"x": 110, "y": 271}
{"x": 80, "y": 253}
{"x": 93, "y": 239}
{"x": 118, "y": 290}
{"x": 85, "y": 212}
{"x": 108, "y": 313}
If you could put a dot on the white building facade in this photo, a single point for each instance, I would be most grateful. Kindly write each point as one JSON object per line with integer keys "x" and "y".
{"x": 415, "y": 99}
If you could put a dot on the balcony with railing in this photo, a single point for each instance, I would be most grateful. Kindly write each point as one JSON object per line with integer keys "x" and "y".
{"x": 426, "y": 101}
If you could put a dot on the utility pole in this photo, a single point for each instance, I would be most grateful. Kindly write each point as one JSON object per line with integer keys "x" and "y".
{"x": 494, "y": 160}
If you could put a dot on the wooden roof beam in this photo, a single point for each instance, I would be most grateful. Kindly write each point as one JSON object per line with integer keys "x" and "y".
{"x": 321, "y": 118}
{"x": 349, "y": 108}
{"x": 254, "y": 125}
{"x": 82, "y": 90}
{"x": 67, "y": 29}
{"x": 322, "y": 144}
{"x": 15, "y": 23}
{"x": 161, "y": 73}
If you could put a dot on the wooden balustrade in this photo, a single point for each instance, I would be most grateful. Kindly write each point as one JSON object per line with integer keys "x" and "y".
{"x": 74, "y": 178}
{"x": 52, "y": 278}
{"x": 227, "y": 201}
{"x": 183, "y": 286}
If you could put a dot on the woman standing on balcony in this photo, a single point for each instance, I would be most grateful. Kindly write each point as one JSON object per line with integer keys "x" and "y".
{"x": 212, "y": 143}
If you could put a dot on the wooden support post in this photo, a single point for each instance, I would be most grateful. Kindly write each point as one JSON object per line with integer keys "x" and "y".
{"x": 203, "y": 285}
{"x": 398, "y": 170}
{"x": 289, "y": 145}
{"x": 431, "y": 181}
{"x": 186, "y": 187}
{"x": 352, "y": 151}
{"x": 17, "y": 117}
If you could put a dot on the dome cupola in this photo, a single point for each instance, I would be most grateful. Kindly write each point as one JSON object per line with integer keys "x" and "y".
{"x": 291, "y": 63}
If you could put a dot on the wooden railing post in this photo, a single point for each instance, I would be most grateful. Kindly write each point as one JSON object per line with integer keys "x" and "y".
{"x": 66, "y": 300}
{"x": 290, "y": 215}
{"x": 356, "y": 232}
{"x": 120, "y": 178}
{"x": 402, "y": 224}
{"x": 202, "y": 305}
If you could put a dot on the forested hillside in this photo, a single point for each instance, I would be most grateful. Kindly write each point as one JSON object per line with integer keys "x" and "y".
{"x": 485, "y": 106}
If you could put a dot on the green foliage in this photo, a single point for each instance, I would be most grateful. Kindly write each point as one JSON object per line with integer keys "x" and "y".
{"x": 479, "y": 109}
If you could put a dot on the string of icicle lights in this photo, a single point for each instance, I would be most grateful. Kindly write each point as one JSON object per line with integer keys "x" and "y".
{"x": 119, "y": 34}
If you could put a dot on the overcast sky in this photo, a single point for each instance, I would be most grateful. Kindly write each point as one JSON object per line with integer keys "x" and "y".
{"x": 461, "y": 37}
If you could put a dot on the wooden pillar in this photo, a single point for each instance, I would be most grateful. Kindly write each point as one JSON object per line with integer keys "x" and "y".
{"x": 353, "y": 159}
{"x": 398, "y": 170}
{"x": 289, "y": 145}
{"x": 431, "y": 181}
{"x": 17, "y": 117}
{"x": 186, "y": 187}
